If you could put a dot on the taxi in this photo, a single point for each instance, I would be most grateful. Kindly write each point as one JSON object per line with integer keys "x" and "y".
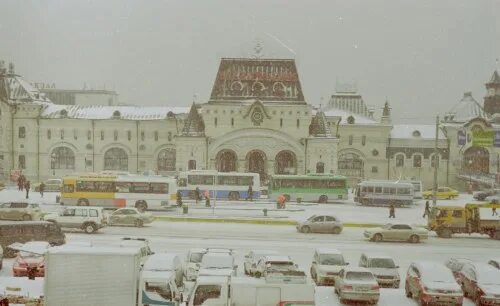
{"x": 442, "y": 193}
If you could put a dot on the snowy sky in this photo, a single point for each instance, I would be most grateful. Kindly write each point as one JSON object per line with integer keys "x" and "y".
{"x": 421, "y": 55}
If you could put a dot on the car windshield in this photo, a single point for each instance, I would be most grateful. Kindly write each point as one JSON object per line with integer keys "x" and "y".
{"x": 382, "y": 263}
{"x": 359, "y": 276}
{"x": 196, "y": 257}
{"x": 331, "y": 259}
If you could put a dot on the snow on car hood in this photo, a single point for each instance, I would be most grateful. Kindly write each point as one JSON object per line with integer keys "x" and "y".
{"x": 216, "y": 272}
{"x": 443, "y": 286}
{"x": 490, "y": 289}
{"x": 384, "y": 271}
{"x": 330, "y": 268}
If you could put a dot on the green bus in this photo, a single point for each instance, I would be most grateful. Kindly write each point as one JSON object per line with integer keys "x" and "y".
{"x": 319, "y": 188}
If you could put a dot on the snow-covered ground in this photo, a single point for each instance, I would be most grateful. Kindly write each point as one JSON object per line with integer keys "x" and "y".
{"x": 179, "y": 237}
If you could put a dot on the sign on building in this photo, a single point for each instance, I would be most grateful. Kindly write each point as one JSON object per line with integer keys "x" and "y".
{"x": 483, "y": 138}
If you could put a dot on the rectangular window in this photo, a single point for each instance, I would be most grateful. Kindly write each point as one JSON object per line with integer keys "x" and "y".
{"x": 22, "y": 132}
{"x": 49, "y": 134}
{"x": 298, "y": 122}
{"x": 102, "y": 135}
{"x": 159, "y": 188}
{"x": 156, "y": 136}
{"x": 69, "y": 188}
{"x": 374, "y": 169}
{"x": 350, "y": 140}
{"x": 62, "y": 134}
{"x": 363, "y": 140}
{"x": 93, "y": 213}
{"x": 88, "y": 162}
{"x": 115, "y": 135}
{"x": 22, "y": 162}
{"x": 75, "y": 134}
{"x": 129, "y": 135}
{"x": 79, "y": 212}
{"x": 143, "y": 136}
{"x": 89, "y": 135}
{"x": 232, "y": 122}
{"x": 215, "y": 121}
{"x": 281, "y": 122}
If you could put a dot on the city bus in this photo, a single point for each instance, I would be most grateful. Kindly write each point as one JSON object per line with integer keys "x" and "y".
{"x": 222, "y": 185}
{"x": 117, "y": 191}
{"x": 319, "y": 188}
{"x": 417, "y": 186}
{"x": 384, "y": 193}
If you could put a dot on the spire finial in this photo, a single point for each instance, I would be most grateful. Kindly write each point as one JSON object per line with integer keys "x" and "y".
{"x": 11, "y": 68}
{"x": 258, "y": 49}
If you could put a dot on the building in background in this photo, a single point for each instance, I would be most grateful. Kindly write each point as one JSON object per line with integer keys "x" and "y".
{"x": 84, "y": 97}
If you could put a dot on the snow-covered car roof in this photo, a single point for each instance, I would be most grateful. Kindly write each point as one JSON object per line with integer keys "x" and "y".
{"x": 327, "y": 251}
{"x": 486, "y": 273}
{"x": 372, "y": 255}
{"x": 217, "y": 260}
{"x": 277, "y": 258}
{"x": 434, "y": 271}
{"x": 355, "y": 269}
{"x": 156, "y": 275}
{"x": 160, "y": 261}
{"x": 263, "y": 252}
{"x": 198, "y": 250}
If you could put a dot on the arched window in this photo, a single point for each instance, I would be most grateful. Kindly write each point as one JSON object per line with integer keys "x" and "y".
{"x": 22, "y": 132}
{"x": 166, "y": 160}
{"x": 62, "y": 158}
{"x": 417, "y": 161}
{"x": 156, "y": 135}
{"x": 320, "y": 167}
{"x": 285, "y": 163}
{"x": 400, "y": 160}
{"x": 115, "y": 135}
{"x": 49, "y": 134}
{"x": 116, "y": 159}
{"x": 350, "y": 140}
{"x": 192, "y": 164}
{"x": 363, "y": 140}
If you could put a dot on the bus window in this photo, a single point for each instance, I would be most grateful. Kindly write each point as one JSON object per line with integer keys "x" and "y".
{"x": 370, "y": 189}
{"x": 378, "y": 189}
{"x": 227, "y": 180}
{"x": 443, "y": 214}
{"x": 69, "y": 188}
{"x": 139, "y": 187}
{"x": 85, "y": 186}
{"x": 404, "y": 190}
{"x": 159, "y": 188}
{"x": 457, "y": 214}
{"x": 245, "y": 180}
{"x": 287, "y": 183}
{"x": 123, "y": 187}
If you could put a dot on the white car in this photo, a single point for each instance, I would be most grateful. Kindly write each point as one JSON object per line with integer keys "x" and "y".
{"x": 432, "y": 282}
{"x": 383, "y": 268}
{"x": 193, "y": 262}
{"x": 481, "y": 283}
{"x": 89, "y": 219}
{"x": 326, "y": 265}
{"x": 274, "y": 263}
{"x": 217, "y": 264}
{"x": 397, "y": 232}
{"x": 252, "y": 258}
{"x": 357, "y": 284}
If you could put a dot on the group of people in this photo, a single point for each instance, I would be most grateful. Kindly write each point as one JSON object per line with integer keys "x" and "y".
{"x": 24, "y": 184}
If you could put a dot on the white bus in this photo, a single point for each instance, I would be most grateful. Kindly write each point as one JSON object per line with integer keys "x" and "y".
{"x": 222, "y": 185}
{"x": 417, "y": 186}
{"x": 384, "y": 193}
{"x": 117, "y": 191}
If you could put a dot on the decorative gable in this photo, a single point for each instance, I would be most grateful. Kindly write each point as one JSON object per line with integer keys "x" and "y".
{"x": 257, "y": 113}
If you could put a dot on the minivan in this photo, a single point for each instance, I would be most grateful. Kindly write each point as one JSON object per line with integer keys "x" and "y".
{"x": 24, "y": 231}
{"x": 20, "y": 211}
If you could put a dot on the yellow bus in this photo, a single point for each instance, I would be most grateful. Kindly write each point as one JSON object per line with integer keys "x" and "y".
{"x": 117, "y": 191}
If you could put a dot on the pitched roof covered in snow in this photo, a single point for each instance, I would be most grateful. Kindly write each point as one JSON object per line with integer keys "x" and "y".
{"x": 194, "y": 124}
{"x": 466, "y": 109}
{"x": 319, "y": 126}
{"x": 15, "y": 89}
{"x": 415, "y": 131}
{"x": 110, "y": 112}
{"x": 344, "y": 115}
{"x": 495, "y": 78}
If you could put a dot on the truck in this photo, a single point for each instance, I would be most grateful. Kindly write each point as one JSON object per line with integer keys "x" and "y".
{"x": 244, "y": 291}
{"x": 81, "y": 276}
{"x": 468, "y": 219}
{"x": 158, "y": 288}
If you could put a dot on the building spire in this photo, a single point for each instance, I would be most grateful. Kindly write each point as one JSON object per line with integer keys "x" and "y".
{"x": 194, "y": 125}
{"x": 386, "y": 113}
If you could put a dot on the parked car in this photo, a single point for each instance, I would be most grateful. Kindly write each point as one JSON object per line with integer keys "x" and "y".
{"x": 165, "y": 262}
{"x": 217, "y": 264}
{"x": 397, "y": 232}
{"x": 483, "y": 194}
{"x": 432, "y": 283}
{"x": 50, "y": 185}
{"x": 481, "y": 282}
{"x": 252, "y": 258}
{"x": 275, "y": 263}
{"x": 456, "y": 265}
{"x": 88, "y": 219}
{"x": 321, "y": 224}
{"x": 495, "y": 262}
{"x": 326, "y": 265}
{"x": 20, "y": 211}
{"x": 357, "y": 284}
{"x": 383, "y": 268}
{"x": 130, "y": 216}
{"x": 31, "y": 256}
{"x": 442, "y": 193}
{"x": 193, "y": 262}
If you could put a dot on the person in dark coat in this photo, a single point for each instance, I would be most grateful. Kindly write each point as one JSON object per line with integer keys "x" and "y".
{"x": 494, "y": 211}
{"x": 427, "y": 210}
{"x": 179, "y": 198}
{"x": 42, "y": 188}
{"x": 27, "y": 186}
{"x": 197, "y": 194}
{"x": 20, "y": 183}
{"x": 392, "y": 211}
{"x": 207, "y": 198}
{"x": 250, "y": 193}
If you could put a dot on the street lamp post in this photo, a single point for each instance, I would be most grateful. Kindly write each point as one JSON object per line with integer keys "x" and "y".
{"x": 53, "y": 163}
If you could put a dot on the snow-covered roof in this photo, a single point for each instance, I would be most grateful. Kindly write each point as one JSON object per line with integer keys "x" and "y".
{"x": 277, "y": 258}
{"x": 467, "y": 108}
{"x": 328, "y": 251}
{"x": 434, "y": 271}
{"x": 15, "y": 89}
{"x": 415, "y": 131}
{"x": 109, "y": 112}
{"x": 358, "y": 119}
{"x": 373, "y": 255}
{"x": 98, "y": 250}
{"x": 160, "y": 261}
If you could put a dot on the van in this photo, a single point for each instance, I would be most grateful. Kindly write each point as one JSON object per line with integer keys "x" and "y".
{"x": 158, "y": 288}
{"x": 24, "y": 231}
{"x": 166, "y": 262}
{"x": 88, "y": 219}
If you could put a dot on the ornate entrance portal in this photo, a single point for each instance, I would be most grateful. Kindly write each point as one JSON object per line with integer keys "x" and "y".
{"x": 476, "y": 160}
{"x": 226, "y": 161}
{"x": 256, "y": 163}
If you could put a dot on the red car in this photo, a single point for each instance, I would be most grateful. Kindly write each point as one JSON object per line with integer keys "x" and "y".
{"x": 31, "y": 256}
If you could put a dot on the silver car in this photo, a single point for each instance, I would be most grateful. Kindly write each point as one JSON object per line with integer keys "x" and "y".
{"x": 481, "y": 283}
{"x": 321, "y": 224}
{"x": 357, "y": 284}
{"x": 326, "y": 265}
{"x": 383, "y": 268}
{"x": 397, "y": 232}
{"x": 251, "y": 259}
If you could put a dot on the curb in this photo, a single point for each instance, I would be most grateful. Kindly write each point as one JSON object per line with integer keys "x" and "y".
{"x": 252, "y": 221}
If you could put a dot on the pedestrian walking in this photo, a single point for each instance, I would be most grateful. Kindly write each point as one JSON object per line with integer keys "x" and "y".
{"x": 207, "y": 198}
{"x": 197, "y": 194}
{"x": 42, "y": 188}
{"x": 281, "y": 201}
{"x": 27, "y": 186}
{"x": 427, "y": 210}
{"x": 250, "y": 193}
{"x": 20, "y": 183}
{"x": 392, "y": 211}
{"x": 179, "y": 198}
{"x": 494, "y": 211}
